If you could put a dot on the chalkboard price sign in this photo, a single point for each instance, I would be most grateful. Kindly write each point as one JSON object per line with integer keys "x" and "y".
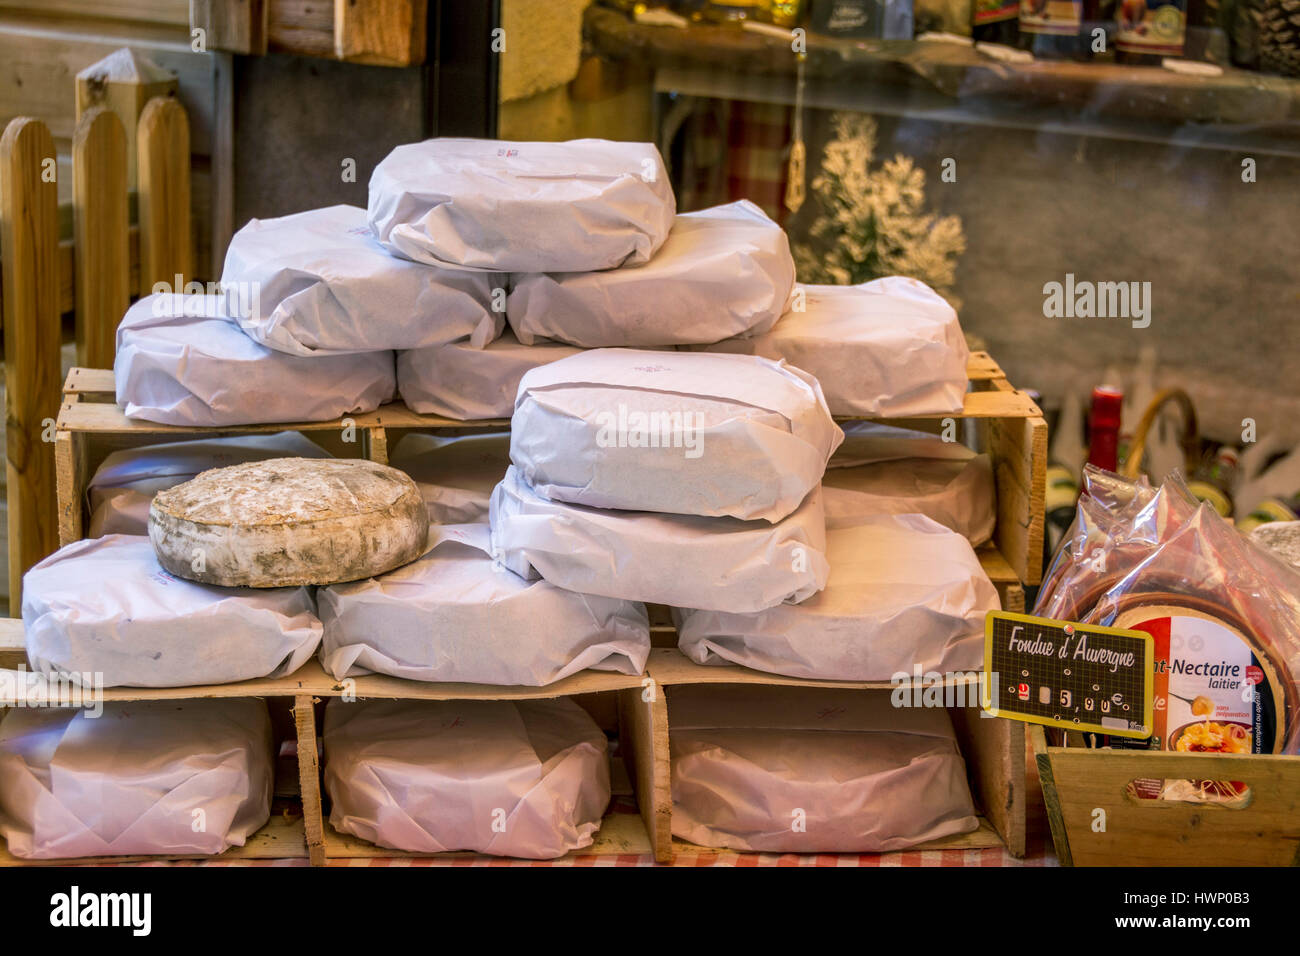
{"x": 1062, "y": 674}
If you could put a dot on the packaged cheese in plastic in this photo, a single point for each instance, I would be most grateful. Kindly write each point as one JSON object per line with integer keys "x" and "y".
{"x": 684, "y": 433}
{"x": 318, "y": 282}
{"x": 105, "y": 606}
{"x": 905, "y": 596}
{"x": 471, "y": 384}
{"x": 133, "y": 780}
{"x": 181, "y": 360}
{"x": 722, "y": 564}
{"x": 455, "y": 475}
{"x": 861, "y": 775}
{"x": 526, "y": 778}
{"x": 455, "y": 615}
{"x": 723, "y": 271}
{"x": 890, "y": 347}
{"x": 522, "y": 207}
{"x": 124, "y": 484}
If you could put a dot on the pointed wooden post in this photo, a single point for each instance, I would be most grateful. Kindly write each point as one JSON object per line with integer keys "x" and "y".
{"x": 100, "y": 230}
{"x": 29, "y": 235}
{"x": 166, "y": 240}
{"x": 123, "y": 82}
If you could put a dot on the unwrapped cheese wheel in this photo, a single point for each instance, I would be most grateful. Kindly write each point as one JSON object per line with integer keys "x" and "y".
{"x": 289, "y": 521}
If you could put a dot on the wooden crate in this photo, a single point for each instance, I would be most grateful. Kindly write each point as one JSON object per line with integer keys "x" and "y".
{"x": 994, "y": 750}
{"x": 1078, "y": 782}
{"x": 1008, "y": 425}
{"x": 305, "y": 832}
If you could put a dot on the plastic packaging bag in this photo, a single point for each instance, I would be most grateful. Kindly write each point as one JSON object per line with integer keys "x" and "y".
{"x": 135, "y": 779}
{"x": 723, "y": 271}
{"x": 455, "y": 615}
{"x": 522, "y": 207}
{"x": 720, "y": 564}
{"x": 318, "y": 283}
{"x": 675, "y": 432}
{"x": 903, "y": 594}
{"x": 182, "y": 361}
{"x": 525, "y": 778}
{"x": 865, "y": 776}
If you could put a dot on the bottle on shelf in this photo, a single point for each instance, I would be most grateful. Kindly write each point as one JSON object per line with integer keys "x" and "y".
{"x": 1052, "y": 29}
{"x": 1065, "y": 459}
{"x": 1147, "y": 31}
{"x": 1103, "y": 427}
{"x": 995, "y": 21}
{"x": 1215, "y": 480}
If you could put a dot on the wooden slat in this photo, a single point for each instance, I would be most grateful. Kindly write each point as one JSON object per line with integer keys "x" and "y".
{"x": 670, "y": 666}
{"x": 32, "y": 336}
{"x": 983, "y": 837}
{"x": 303, "y": 27}
{"x": 1019, "y": 451}
{"x": 166, "y": 241}
{"x": 994, "y": 749}
{"x": 100, "y": 232}
{"x": 312, "y": 680}
{"x": 235, "y": 25}
{"x": 169, "y": 12}
{"x": 304, "y": 718}
{"x": 72, "y": 476}
{"x": 643, "y": 733}
{"x": 381, "y": 32}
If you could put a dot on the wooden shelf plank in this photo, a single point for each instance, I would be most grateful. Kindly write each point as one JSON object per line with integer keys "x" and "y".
{"x": 669, "y": 666}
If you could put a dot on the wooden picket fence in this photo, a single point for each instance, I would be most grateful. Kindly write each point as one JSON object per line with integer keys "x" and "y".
{"x": 94, "y": 274}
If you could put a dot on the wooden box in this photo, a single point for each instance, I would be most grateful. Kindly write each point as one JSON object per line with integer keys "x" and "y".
{"x": 1096, "y": 823}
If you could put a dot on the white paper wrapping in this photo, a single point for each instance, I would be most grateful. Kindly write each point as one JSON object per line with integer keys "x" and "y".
{"x": 723, "y": 271}
{"x": 523, "y": 207}
{"x": 680, "y": 560}
{"x": 525, "y": 778}
{"x": 182, "y": 361}
{"x": 684, "y": 433}
{"x": 455, "y": 475}
{"x": 873, "y": 473}
{"x": 904, "y": 593}
{"x": 319, "y": 282}
{"x": 890, "y": 347}
{"x": 456, "y": 615}
{"x": 470, "y": 384}
{"x": 859, "y": 775}
{"x": 136, "y": 780}
{"x": 105, "y": 605}
{"x": 124, "y": 484}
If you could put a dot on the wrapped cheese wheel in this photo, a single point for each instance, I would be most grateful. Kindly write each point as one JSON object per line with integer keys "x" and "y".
{"x": 722, "y": 564}
{"x": 885, "y": 470}
{"x": 904, "y": 595}
{"x": 124, "y": 484}
{"x": 456, "y": 615}
{"x": 134, "y": 780}
{"x": 181, "y": 360}
{"x": 471, "y": 384}
{"x": 289, "y": 521}
{"x": 891, "y": 347}
{"x": 318, "y": 282}
{"x": 526, "y": 778}
{"x": 455, "y": 475}
{"x": 104, "y": 606}
{"x": 723, "y": 271}
{"x": 856, "y": 774}
{"x": 522, "y": 207}
{"x": 678, "y": 432}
